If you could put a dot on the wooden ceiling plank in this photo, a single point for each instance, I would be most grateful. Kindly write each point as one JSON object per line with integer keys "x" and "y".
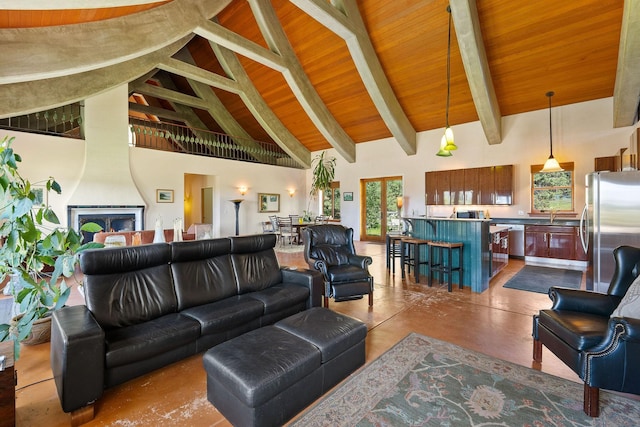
{"x": 626, "y": 91}
{"x": 299, "y": 82}
{"x": 259, "y": 108}
{"x": 171, "y": 95}
{"x": 344, "y": 19}
{"x": 476, "y": 66}
{"x": 201, "y": 75}
{"x": 216, "y": 33}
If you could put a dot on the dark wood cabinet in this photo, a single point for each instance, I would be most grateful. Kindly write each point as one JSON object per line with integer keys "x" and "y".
{"x": 553, "y": 241}
{"x": 437, "y": 188}
{"x": 7, "y": 386}
{"x": 491, "y": 185}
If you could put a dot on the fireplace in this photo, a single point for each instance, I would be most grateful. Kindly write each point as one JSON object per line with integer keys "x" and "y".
{"x": 110, "y": 218}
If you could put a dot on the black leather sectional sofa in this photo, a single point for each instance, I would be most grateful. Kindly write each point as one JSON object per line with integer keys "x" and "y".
{"x": 149, "y": 306}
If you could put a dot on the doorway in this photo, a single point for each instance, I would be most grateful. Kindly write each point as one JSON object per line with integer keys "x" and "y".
{"x": 207, "y": 205}
{"x": 380, "y": 207}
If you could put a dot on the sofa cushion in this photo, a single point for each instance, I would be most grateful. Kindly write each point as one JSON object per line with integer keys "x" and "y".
{"x": 254, "y": 262}
{"x": 127, "y": 286}
{"x": 279, "y": 297}
{"x": 202, "y": 272}
{"x": 225, "y": 314}
{"x": 138, "y": 342}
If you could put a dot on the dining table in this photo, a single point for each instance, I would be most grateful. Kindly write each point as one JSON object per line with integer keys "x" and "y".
{"x": 297, "y": 227}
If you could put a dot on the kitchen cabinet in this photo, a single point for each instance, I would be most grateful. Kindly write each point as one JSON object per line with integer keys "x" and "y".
{"x": 499, "y": 242}
{"x": 553, "y": 241}
{"x": 491, "y": 185}
{"x": 437, "y": 188}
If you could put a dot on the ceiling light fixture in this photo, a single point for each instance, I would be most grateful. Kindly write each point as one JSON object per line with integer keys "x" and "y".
{"x": 551, "y": 165}
{"x": 446, "y": 144}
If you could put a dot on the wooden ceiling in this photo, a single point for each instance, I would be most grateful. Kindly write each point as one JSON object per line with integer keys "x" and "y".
{"x": 531, "y": 48}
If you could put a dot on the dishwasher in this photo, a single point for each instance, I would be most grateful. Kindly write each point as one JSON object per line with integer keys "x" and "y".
{"x": 516, "y": 239}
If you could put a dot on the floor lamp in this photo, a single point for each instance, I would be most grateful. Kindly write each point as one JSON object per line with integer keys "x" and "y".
{"x": 237, "y": 202}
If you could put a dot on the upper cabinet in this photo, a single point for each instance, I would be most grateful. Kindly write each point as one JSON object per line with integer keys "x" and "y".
{"x": 491, "y": 185}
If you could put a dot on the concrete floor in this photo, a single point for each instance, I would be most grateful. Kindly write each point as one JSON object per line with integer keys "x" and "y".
{"x": 496, "y": 322}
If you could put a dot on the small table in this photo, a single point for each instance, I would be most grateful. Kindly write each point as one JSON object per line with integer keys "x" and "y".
{"x": 8, "y": 382}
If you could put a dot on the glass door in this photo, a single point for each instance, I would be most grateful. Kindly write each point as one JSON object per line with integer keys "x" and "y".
{"x": 381, "y": 207}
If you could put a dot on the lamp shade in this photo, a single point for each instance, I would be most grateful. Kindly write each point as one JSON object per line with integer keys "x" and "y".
{"x": 448, "y": 136}
{"x": 399, "y": 202}
{"x": 443, "y": 152}
{"x": 551, "y": 165}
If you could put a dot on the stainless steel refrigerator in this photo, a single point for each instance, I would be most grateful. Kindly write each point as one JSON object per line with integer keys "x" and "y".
{"x": 611, "y": 218}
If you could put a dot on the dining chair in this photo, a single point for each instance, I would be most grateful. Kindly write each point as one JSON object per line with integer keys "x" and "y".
{"x": 286, "y": 230}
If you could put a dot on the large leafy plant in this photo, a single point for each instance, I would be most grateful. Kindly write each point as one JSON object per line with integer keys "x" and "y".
{"x": 323, "y": 173}
{"x": 35, "y": 253}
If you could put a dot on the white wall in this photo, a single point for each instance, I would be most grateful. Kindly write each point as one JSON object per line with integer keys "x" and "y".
{"x": 581, "y": 132}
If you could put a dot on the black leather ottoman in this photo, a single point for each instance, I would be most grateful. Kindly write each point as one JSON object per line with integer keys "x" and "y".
{"x": 266, "y": 376}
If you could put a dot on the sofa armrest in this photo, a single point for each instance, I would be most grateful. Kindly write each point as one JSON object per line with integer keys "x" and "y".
{"x": 311, "y": 279}
{"x": 77, "y": 357}
{"x": 361, "y": 261}
{"x": 614, "y": 364}
{"x": 583, "y": 301}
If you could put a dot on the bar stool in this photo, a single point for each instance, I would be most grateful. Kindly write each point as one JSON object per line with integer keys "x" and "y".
{"x": 410, "y": 255}
{"x": 393, "y": 250}
{"x": 445, "y": 265}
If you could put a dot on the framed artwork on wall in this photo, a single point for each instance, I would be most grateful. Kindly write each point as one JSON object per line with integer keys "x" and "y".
{"x": 348, "y": 196}
{"x": 164, "y": 196}
{"x": 268, "y": 202}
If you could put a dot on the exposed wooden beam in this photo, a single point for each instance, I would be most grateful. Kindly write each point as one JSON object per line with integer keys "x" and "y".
{"x": 171, "y": 95}
{"x": 626, "y": 93}
{"x": 156, "y": 111}
{"x": 476, "y": 66}
{"x": 344, "y": 19}
{"x": 32, "y": 96}
{"x": 100, "y": 44}
{"x": 259, "y": 108}
{"x": 299, "y": 82}
{"x": 198, "y": 74}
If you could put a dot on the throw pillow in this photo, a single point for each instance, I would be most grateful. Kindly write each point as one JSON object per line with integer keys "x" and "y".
{"x": 630, "y": 304}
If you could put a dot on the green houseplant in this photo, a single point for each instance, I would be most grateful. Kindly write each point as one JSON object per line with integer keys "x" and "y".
{"x": 35, "y": 253}
{"x": 324, "y": 170}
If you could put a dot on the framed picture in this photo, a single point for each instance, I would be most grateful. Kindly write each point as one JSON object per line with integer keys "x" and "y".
{"x": 268, "y": 202}
{"x": 348, "y": 196}
{"x": 41, "y": 194}
{"x": 164, "y": 196}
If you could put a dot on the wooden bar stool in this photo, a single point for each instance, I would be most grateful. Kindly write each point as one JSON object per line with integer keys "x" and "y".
{"x": 410, "y": 255}
{"x": 393, "y": 250}
{"x": 444, "y": 265}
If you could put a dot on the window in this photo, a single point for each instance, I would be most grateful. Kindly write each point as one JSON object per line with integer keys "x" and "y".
{"x": 552, "y": 191}
{"x": 331, "y": 201}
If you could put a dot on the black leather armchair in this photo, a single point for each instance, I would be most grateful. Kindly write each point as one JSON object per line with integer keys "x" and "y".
{"x": 578, "y": 329}
{"x": 329, "y": 249}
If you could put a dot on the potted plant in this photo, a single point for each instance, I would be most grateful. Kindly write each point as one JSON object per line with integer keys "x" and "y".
{"x": 35, "y": 253}
{"x": 324, "y": 170}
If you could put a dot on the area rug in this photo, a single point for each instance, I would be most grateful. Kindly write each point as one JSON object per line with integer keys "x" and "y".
{"x": 540, "y": 279}
{"x": 289, "y": 249}
{"x": 422, "y": 381}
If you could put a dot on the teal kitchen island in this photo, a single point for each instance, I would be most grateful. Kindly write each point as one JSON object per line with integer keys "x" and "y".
{"x": 473, "y": 233}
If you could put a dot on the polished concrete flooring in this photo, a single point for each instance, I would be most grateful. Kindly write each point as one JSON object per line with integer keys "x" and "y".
{"x": 496, "y": 322}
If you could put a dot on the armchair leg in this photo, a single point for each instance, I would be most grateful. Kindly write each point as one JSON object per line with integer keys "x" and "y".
{"x": 537, "y": 350}
{"x": 591, "y": 400}
{"x": 82, "y": 415}
{"x": 370, "y": 299}
{"x": 326, "y": 302}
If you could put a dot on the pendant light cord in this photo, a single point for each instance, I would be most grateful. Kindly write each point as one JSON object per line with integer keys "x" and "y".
{"x": 448, "y": 66}
{"x": 550, "y": 94}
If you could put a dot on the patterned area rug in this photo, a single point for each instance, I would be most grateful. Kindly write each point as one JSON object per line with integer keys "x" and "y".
{"x": 427, "y": 382}
{"x": 289, "y": 249}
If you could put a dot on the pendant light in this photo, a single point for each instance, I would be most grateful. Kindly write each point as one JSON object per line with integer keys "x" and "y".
{"x": 551, "y": 165}
{"x": 447, "y": 145}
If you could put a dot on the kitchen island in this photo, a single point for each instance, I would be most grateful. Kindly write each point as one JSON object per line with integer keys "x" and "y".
{"x": 473, "y": 233}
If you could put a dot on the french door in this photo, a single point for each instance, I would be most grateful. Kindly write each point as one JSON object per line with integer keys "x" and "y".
{"x": 380, "y": 206}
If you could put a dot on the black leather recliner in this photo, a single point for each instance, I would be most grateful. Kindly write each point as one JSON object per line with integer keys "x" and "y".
{"x": 329, "y": 249}
{"x": 579, "y": 330}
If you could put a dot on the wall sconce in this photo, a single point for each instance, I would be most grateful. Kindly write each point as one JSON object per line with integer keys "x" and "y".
{"x": 243, "y": 190}
{"x": 292, "y": 191}
{"x": 399, "y": 202}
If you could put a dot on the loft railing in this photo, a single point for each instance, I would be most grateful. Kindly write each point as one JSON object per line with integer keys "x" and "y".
{"x": 65, "y": 121}
{"x": 183, "y": 139}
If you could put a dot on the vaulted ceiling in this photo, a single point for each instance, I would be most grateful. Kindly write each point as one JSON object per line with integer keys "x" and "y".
{"x": 314, "y": 74}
